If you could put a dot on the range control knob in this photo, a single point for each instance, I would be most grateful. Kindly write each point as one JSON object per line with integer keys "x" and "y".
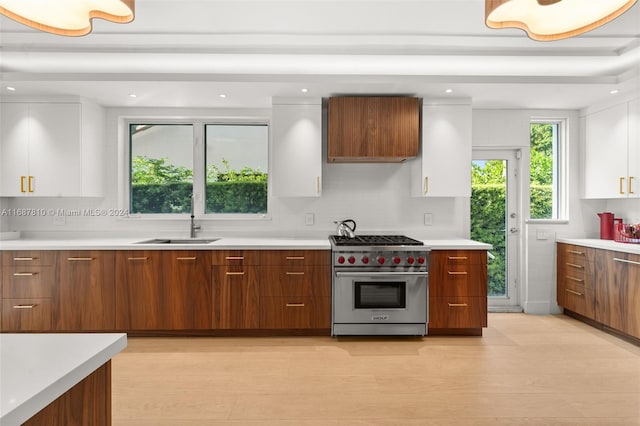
{"x": 410, "y": 260}
{"x": 396, "y": 260}
{"x": 381, "y": 260}
{"x": 365, "y": 259}
{"x": 421, "y": 260}
{"x": 341, "y": 259}
{"x": 352, "y": 260}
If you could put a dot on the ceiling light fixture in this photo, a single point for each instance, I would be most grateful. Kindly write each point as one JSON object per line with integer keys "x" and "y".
{"x": 222, "y": 95}
{"x": 133, "y": 95}
{"x": 68, "y": 17}
{"x": 11, "y": 88}
{"x": 614, "y": 92}
{"x": 448, "y": 91}
{"x": 546, "y": 20}
{"x": 304, "y": 90}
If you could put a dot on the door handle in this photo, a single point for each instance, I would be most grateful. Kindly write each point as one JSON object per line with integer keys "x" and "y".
{"x": 513, "y": 230}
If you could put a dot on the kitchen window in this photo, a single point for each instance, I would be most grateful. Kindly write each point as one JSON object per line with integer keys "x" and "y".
{"x": 547, "y": 168}
{"x": 170, "y": 172}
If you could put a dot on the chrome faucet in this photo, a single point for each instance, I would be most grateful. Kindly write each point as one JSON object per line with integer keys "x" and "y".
{"x": 193, "y": 227}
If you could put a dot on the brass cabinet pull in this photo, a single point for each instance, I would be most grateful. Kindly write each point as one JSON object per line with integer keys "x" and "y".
{"x": 30, "y": 184}
{"x": 457, "y": 257}
{"x": 24, "y": 274}
{"x": 457, "y": 305}
{"x": 426, "y": 184}
{"x": 573, "y": 292}
{"x": 25, "y": 306}
{"x": 187, "y": 258}
{"x": 295, "y": 257}
{"x": 317, "y": 184}
{"x": 626, "y": 261}
{"x": 295, "y": 273}
{"x": 28, "y": 259}
{"x": 620, "y": 190}
{"x": 573, "y": 265}
{"x": 295, "y": 305}
{"x": 457, "y": 272}
{"x": 630, "y": 185}
{"x": 234, "y": 258}
{"x": 22, "y": 178}
{"x": 80, "y": 259}
{"x": 575, "y": 279}
{"x": 575, "y": 252}
{"x": 235, "y": 273}
{"x": 137, "y": 258}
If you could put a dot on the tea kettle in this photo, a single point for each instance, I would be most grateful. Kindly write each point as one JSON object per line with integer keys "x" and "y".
{"x": 346, "y": 230}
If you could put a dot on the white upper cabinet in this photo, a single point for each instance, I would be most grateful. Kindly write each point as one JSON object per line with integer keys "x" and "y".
{"x": 612, "y": 159}
{"x": 444, "y": 166}
{"x": 43, "y": 152}
{"x": 296, "y": 161}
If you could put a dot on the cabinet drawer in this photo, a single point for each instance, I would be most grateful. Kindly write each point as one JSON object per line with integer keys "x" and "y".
{"x": 459, "y": 280}
{"x": 303, "y": 281}
{"x": 28, "y": 258}
{"x": 296, "y": 257}
{"x": 235, "y": 257}
{"x": 457, "y": 312}
{"x": 28, "y": 281}
{"x": 580, "y": 300}
{"x": 295, "y": 312}
{"x": 460, "y": 257}
{"x": 576, "y": 255}
{"x": 26, "y": 315}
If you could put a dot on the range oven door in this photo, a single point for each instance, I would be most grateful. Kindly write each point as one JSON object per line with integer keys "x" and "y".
{"x": 380, "y": 297}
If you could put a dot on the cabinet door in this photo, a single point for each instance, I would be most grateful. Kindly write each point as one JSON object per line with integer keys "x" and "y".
{"x": 54, "y": 149}
{"x": 186, "y": 290}
{"x": 86, "y": 291}
{"x": 626, "y": 277}
{"x": 295, "y": 312}
{"x": 457, "y": 312}
{"x": 605, "y": 171}
{"x": 236, "y": 302}
{"x": 297, "y": 146}
{"x": 138, "y": 290}
{"x": 14, "y": 148}
{"x": 444, "y": 167}
{"x": 633, "y": 185}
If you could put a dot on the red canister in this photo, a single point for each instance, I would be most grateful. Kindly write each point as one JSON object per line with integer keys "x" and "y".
{"x": 606, "y": 226}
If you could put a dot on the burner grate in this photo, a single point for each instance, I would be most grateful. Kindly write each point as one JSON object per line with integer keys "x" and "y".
{"x": 375, "y": 240}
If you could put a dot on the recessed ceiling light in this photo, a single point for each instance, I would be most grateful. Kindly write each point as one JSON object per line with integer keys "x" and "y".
{"x": 222, "y": 95}
{"x": 11, "y": 88}
{"x": 304, "y": 90}
{"x": 133, "y": 95}
{"x": 448, "y": 91}
{"x": 614, "y": 91}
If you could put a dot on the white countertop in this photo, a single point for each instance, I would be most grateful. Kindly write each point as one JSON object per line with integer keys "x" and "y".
{"x": 35, "y": 369}
{"x": 221, "y": 244}
{"x": 602, "y": 244}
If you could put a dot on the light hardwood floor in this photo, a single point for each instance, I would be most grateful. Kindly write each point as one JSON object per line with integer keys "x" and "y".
{"x": 533, "y": 370}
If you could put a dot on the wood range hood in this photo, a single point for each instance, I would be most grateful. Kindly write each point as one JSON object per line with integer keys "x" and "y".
{"x": 373, "y": 129}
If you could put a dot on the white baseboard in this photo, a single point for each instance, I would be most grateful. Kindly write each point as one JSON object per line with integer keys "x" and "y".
{"x": 537, "y": 308}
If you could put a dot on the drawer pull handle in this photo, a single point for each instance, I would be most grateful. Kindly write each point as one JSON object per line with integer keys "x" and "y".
{"x": 575, "y": 252}
{"x": 137, "y": 258}
{"x": 28, "y": 259}
{"x": 187, "y": 258}
{"x": 295, "y": 305}
{"x": 235, "y": 273}
{"x": 457, "y": 272}
{"x": 626, "y": 261}
{"x": 80, "y": 259}
{"x": 573, "y": 265}
{"x": 25, "y": 306}
{"x": 580, "y": 280}
{"x": 234, "y": 258}
{"x": 457, "y": 257}
{"x": 295, "y": 273}
{"x": 24, "y": 274}
{"x": 573, "y": 292}
{"x": 295, "y": 257}
{"x": 457, "y": 305}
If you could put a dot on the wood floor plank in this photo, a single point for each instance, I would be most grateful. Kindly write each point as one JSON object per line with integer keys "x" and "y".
{"x": 530, "y": 370}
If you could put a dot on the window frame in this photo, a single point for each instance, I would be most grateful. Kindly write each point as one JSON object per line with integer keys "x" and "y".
{"x": 199, "y": 165}
{"x": 560, "y": 171}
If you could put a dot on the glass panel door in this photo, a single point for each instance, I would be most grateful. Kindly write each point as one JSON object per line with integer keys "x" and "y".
{"x": 494, "y": 219}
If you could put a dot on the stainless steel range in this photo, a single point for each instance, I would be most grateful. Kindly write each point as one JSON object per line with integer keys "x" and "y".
{"x": 380, "y": 285}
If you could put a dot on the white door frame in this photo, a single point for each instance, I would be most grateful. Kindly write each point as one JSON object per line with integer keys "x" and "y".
{"x": 514, "y": 227}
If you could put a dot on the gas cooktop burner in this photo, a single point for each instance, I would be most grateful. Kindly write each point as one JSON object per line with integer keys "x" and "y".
{"x": 375, "y": 240}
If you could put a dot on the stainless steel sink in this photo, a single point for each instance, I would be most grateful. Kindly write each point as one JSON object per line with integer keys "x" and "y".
{"x": 178, "y": 241}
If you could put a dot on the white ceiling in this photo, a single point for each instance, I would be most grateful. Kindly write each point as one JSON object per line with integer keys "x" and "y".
{"x": 187, "y": 52}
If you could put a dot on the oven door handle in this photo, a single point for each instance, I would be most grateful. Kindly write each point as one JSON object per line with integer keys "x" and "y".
{"x": 381, "y": 274}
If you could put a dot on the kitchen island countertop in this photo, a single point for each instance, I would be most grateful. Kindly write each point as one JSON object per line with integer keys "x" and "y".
{"x": 38, "y": 368}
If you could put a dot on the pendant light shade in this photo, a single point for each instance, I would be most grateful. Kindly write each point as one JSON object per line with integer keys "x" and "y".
{"x": 66, "y": 17}
{"x": 547, "y": 20}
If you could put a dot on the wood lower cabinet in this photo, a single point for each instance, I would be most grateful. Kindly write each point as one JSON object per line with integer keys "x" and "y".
{"x": 28, "y": 290}
{"x": 163, "y": 290}
{"x": 236, "y": 297}
{"x": 575, "y": 279}
{"x": 86, "y": 291}
{"x": 457, "y": 291}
